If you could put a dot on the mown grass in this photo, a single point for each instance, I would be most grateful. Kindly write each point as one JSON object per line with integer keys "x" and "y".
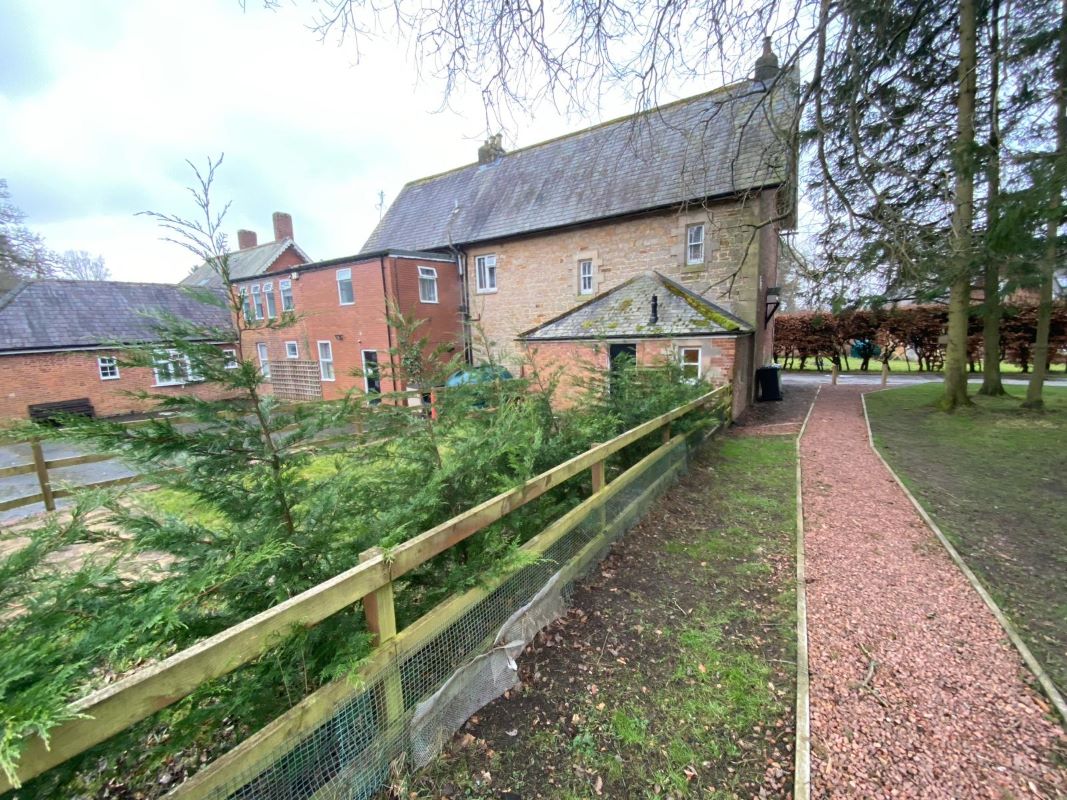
{"x": 994, "y": 478}
{"x": 900, "y": 365}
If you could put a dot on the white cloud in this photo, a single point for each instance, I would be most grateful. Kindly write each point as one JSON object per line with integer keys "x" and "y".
{"x": 122, "y": 93}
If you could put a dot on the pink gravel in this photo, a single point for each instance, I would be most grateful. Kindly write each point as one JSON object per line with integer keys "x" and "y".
{"x": 947, "y": 712}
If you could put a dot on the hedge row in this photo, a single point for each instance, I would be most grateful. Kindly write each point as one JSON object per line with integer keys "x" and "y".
{"x": 912, "y": 332}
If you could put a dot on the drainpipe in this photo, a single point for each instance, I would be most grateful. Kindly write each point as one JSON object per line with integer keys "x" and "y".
{"x": 388, "y": 327}
{"x": 464, "y": 307}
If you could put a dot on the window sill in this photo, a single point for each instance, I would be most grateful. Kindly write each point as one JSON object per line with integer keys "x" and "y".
{"x": 347, "y": 304}
{"x": 110, "y": 379}
{"x": 429, "y": 302}
{"x": 485, "y": 291}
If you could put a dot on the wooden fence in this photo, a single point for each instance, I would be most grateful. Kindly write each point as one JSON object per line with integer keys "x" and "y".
{"x": 114, "y": 708}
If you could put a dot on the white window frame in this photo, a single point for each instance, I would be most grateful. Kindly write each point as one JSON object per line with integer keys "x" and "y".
{"x": 257, "y": 302}
{"x": 366, "y": 377}
{"x": 583, "y": 275}
{"x": 345, "y": 278}
{"x": 173, "y": 357}
{"x": 263, "y": 353}
{"x": 699, "y": 362}
{"x": 231, "y": 361}
{"x": 292, "y": 350}
{"x": 246, "y": 304}
{"x": 285, "y": 289}
{"x": 427, "y": 274}
{"x": 268, "y": 295}
{"x": 324, "y": 361}
{"x": 691, "y": 242}
{"x": 485, "y": 273}
{"x": 105, "y": 366}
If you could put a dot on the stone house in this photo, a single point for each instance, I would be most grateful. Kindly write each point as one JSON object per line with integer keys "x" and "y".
{"x": 60, "y": 341}
{"x": 699, "y": 191}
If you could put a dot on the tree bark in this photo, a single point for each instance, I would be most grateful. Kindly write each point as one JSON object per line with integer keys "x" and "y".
{"x": 954, "y": 393}
{"x": 992, "y": 385}
{"x": 1036, "y": 385}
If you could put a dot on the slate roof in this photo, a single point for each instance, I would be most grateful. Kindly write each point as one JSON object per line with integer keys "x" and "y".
{"x": 625, "y": 312}
{"x": 718, "y": 143}
{"x": 243, "y": 264}
{"x": 74, "y": 315}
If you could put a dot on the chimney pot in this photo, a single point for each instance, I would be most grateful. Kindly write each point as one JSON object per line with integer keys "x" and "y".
{"x": 246, "y": 239}
{"x": 491, "y": 150}
{"x": 283, "y": 226}
{"x": 767, "y": 64}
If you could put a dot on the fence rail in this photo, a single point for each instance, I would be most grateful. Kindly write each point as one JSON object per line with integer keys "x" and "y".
{"x": 116, "y": 707}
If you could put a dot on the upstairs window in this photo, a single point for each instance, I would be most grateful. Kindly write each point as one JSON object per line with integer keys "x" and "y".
{"x": 344, "y": 287}
{"x": 694, "y": 251}
{"x": 689, "y": 357}
{"x": 268, "y": 295}
{"x": 485, "y": 267}
{"x": 326, "y": 361}
{"x": 231, "y": 357}
{"x": 257, "y": 302}
{"x": 246, "y": 304}
{"x": 292, "y": 350}
{"x": 286, "y": 289}
{"x": 585, "y": 276}
{"x": 427, "y": 284}
{"x": 109, "y": 369}
{"x": 264, "y": 359}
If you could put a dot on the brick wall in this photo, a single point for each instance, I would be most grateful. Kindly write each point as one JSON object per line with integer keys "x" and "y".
{"x": 53, "y": 377}
{"x": 537, "y": 275}
{"x": 723, "y": 359}
{"x": 361, "y": 326}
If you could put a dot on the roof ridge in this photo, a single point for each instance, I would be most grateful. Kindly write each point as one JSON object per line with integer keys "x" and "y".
{"x": 98, "y": 283}
{"x": 588, "y": 129}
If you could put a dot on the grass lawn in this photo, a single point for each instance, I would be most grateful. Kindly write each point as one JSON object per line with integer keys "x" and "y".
{"x": 673, "y": 673}
{"x": 994, "y": 477}
{"x": 900, "y": 365}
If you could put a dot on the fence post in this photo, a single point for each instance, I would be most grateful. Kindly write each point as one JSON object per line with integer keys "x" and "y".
{"x": 833, "y": 375}
{"x": 667, "y": 432}
{"x": 381, "y": 621}
{"x": 885, "y": 373}
{"x": 599, "y": 482}
{"x": 42, "y": 475}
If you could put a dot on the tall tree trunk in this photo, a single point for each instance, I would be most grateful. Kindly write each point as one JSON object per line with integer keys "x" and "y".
{"x": 954, "y": 394}
{"x": 1055, "y": 214}
{"x": 991, "y": 383}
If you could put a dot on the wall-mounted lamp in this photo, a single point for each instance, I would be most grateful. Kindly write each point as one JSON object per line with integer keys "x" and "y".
{"x": 339, "y": 337}
{"x": 773, "y": 302}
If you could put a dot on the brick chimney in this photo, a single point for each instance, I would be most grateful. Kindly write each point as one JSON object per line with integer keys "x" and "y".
{"x": 491, "y": 150}
{"x": 283, "y": 226}
{"x": 767, "y": 64}
{"x": 246, "y": 239}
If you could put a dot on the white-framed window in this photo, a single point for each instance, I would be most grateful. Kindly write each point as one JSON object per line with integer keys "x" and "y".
{"x": 427, "y": 285}
{"x": 326, "y": 361}
{"x": 268, "y": 295}
{"x": 485, "y": 267}
{"x": 585, "y": 276}
{"x": 246, "y": 304}
{"x": 285, "y": 287}
{"x": 264, "y": 359}
{"x": 257, "y": 302}
{"x": 173, "y": 369}
{"x": 108, "y": 367}
{"x": 292, "y": 350}
{"x": 694, "y": 238}
{"x": 231, "y": 357}
{"x": 692, "y": 366}
{"x": 344, "y": 287}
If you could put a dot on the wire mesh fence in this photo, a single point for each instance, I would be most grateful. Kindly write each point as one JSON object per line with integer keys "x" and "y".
{"x": 403, "y": 716}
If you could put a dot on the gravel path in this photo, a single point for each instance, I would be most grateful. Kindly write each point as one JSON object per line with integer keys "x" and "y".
{"x": 915, "y": 692}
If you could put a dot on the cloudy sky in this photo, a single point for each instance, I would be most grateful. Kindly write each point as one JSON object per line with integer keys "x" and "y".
{"x": 101, "y": 102}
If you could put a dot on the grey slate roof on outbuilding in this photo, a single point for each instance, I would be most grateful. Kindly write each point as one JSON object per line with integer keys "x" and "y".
{"x": 243, "y": 264}
{"x": 74, "y": 315}
{"x": 715, "y": 144}
{"x": 625, "y": 312}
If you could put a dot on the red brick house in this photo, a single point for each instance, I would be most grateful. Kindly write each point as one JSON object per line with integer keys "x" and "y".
{"x": 58, "y": 342}
{"x": 699, "y": 190}
{"x": 252, "y": 258}
{"x": 341, "y": 339}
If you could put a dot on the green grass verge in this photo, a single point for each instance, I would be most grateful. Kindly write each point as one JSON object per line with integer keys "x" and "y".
{"x": 900, "y": 365}
{"x": 994, "y": 478}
